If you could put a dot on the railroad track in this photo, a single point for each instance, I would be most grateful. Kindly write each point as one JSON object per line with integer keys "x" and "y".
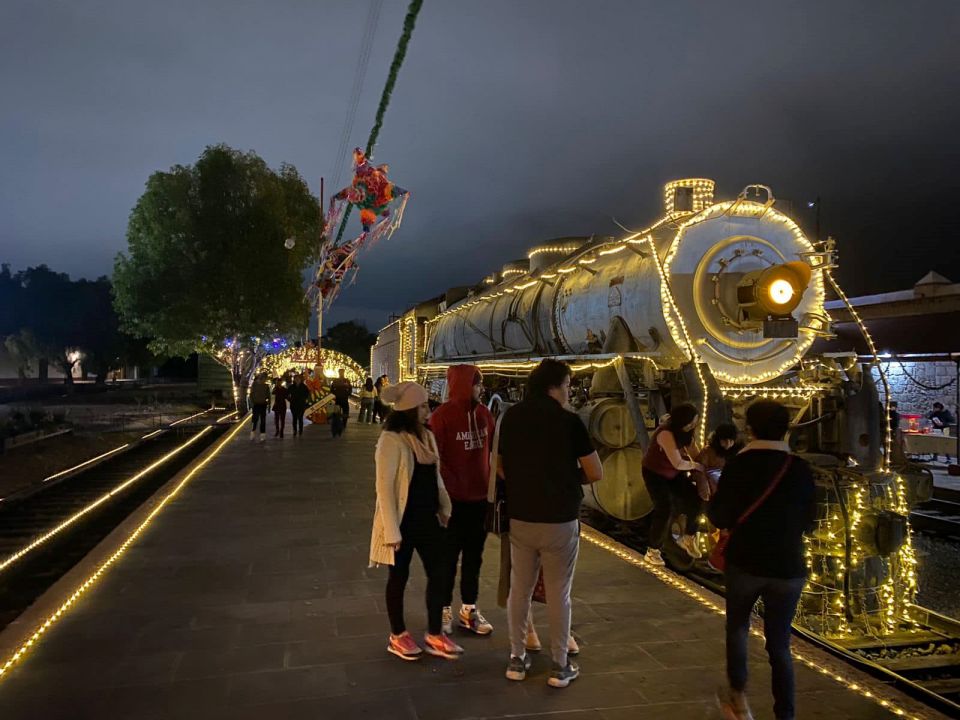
{"x": 939, "y": 516}
{"x": 922, "y": 661}
{"x": 44, "y": 532}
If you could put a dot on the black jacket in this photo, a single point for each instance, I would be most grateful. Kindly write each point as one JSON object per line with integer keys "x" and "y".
{"x": 299, "y": 396}
{"x": 770, "y": 542}
{"x": 341, "y": 389}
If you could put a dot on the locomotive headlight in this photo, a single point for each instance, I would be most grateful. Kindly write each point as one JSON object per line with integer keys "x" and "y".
{"x": 768, "y": 296}
{"x": 780, "y": 292}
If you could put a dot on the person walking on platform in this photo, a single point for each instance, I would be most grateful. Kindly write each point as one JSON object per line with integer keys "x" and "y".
{"x": 666, "y": 467}
{"x": 342, "y": 390}
{"x": 279, "y": 407}
{"x": 259, "y": 399}
{"x": 540, "y": 446}
{"x": 766, "y": 499}
{"x": 367, "y": 397}
{"x": 299, "y": 397}
{"x": 412, "y": 510}
{"x": 464, "y": 428}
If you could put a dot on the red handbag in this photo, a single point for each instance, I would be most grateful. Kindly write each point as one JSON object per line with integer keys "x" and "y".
{"x": 539, "y": 590}
{"x": 717, "y": 559}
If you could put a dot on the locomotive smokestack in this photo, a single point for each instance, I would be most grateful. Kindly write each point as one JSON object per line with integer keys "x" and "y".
{"x": 689, "y": 195}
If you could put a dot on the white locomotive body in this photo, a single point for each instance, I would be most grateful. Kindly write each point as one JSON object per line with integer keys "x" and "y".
{"x": 717, "y": 303}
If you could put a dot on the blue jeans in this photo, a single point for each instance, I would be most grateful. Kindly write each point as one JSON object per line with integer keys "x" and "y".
{"x": 366, "y": 410}
{"x": 780, "y": 597}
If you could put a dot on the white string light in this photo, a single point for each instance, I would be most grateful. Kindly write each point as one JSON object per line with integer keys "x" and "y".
{"x": 51, "y": 620}
{"x": 96, "y": 503}
{"x": 879, "y": 694}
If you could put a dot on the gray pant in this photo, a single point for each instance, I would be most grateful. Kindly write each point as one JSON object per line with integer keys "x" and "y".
{"x": 555, "y": 546}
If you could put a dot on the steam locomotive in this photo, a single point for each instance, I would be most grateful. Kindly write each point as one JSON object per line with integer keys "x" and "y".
{"x": 716, "y": 303}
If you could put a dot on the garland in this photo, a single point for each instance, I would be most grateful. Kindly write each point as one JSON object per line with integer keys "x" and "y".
{"x": 409, "y": 22}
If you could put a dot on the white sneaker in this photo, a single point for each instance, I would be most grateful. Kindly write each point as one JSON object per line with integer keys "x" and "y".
{"x": 253, "y": 435}
{"x": 263, "y": 438}
{"x": 653, "y": 557}
{"x": 689, "y": 543}
{"x": 472, "y": 620}
{"x": 447, "y": 626}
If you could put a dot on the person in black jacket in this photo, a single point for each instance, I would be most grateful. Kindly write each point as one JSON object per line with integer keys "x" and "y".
{"x": 342, "y": 390}
{"x": 764, "y": 556}
{"x": 299, "y": 397}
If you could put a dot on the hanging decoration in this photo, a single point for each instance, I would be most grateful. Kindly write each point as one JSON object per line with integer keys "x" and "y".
{"x": 381, "y": 204}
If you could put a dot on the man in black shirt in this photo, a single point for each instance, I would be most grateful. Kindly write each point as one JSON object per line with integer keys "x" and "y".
{"x": 764, "y": 556}
{"x": 545, "y": 455}
{"x": 342, "y": 390}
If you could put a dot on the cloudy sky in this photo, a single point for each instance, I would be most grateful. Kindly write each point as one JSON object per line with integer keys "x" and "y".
{"x": 512, "y": 122}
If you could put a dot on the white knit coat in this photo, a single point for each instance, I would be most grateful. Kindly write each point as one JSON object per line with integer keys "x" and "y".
{"x": 395, "y": 464}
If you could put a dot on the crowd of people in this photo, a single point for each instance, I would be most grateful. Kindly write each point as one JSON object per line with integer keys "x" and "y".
{"x": 445, "y": 481}
{"x": 299, "y": 391}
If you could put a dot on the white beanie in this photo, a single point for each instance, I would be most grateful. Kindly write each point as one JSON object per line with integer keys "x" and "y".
{"x": 404, "y": 396}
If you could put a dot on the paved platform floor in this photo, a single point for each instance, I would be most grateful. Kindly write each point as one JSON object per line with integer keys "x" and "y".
{"x": 249, "y": 596}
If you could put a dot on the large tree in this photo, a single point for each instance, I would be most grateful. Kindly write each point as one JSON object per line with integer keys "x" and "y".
{"x": 351, "y": 338}
{"x": 208, "y": 267}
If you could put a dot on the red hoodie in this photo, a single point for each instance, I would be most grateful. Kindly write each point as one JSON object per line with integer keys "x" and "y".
{"x": 464, "y": 430}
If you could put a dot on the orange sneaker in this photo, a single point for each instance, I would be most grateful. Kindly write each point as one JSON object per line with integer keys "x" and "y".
{"x": 442, "y": 646}
{"x": 404, "y": 647}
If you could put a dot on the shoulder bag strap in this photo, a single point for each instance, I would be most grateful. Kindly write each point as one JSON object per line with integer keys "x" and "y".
{"x": 494, "y": 451}
{"x": 766, "y": 493}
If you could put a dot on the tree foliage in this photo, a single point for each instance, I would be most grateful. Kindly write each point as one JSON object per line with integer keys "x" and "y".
{"x": 206, "y": 267}
{"x": 48, "y": 318}
{"x": 352, "y": 338}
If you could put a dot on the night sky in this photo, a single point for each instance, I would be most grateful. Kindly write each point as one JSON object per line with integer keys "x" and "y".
{"x": 512, "y": 122}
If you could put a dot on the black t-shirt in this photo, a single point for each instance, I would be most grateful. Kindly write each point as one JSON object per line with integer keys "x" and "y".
{"x": 540, "y": 443}
{"x": 423, "y": 496}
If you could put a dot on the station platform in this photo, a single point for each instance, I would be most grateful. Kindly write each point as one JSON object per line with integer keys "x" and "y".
{"x": 246, "y": 594}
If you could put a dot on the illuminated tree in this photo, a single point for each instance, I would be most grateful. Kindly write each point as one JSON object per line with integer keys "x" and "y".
{"x": 215, "y": 261}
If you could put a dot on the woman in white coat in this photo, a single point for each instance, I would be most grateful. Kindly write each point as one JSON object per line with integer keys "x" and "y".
{"x": 411, "y": 515}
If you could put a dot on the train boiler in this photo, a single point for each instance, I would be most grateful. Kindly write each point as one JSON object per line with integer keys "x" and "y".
{"x": 717, "y": 303}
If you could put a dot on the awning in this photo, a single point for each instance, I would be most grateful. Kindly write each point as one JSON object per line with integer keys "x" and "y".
{"x": 928, "y": 334}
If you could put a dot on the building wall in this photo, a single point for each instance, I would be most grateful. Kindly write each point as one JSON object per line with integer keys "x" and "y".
{"x": 213, "y": 377}
{"x": 8, "y": 368}
{"x": 385, "y": 354}
{"x": 907, "y": 379}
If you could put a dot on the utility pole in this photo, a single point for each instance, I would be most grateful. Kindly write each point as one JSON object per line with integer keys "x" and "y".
{"x": 818, "y": 217}
{"x": 319, "y": 294}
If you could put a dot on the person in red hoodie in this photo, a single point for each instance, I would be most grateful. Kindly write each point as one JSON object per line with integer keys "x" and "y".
{"x": 464, "y": 428}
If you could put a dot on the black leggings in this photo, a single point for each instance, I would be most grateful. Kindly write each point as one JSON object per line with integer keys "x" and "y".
{"x": 466, "y": 536}
{"x": 259, "y": 417}
{"x": 421, "y": 531}
{"x": 671, "y": 496}
{"x": 280, "y": 419}
{"x": 297, "y": 413}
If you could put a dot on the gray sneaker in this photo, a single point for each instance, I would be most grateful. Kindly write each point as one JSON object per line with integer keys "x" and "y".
{"x": 517, "y": 669}
{"x": 561, "y": 677}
